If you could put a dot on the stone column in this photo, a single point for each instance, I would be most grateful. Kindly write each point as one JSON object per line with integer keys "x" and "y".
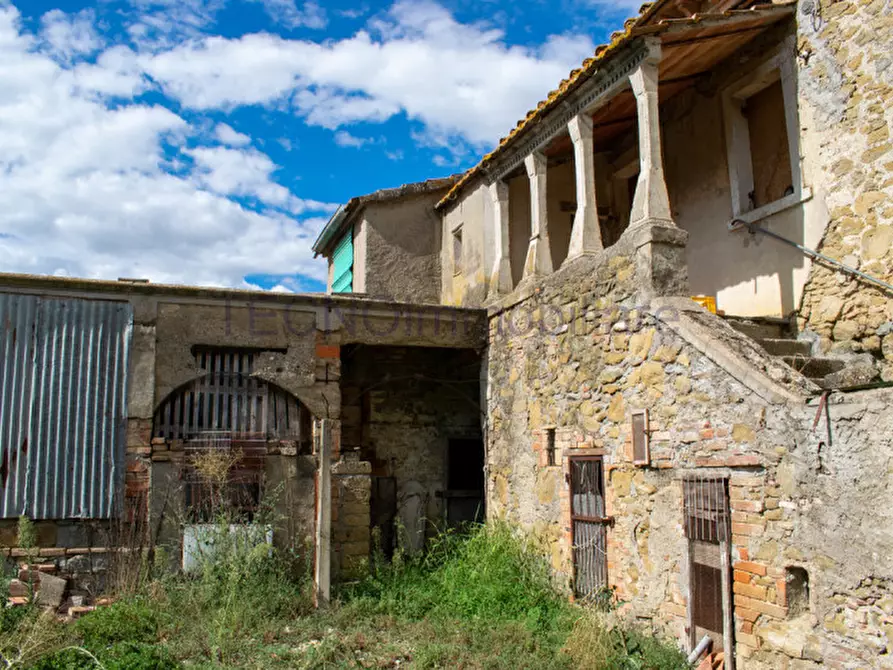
{"x": 651, "y": 202}
{"x": 661, "y": 267}
{"x": 501, "y": 276}
{"x": 586, "y": 236}
{"x": 539, "y": 254}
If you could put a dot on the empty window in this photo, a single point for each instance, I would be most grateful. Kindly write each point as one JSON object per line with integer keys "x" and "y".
{"x": 550, "y": 446}
{"x": 762, "y": 140}
{"x": 769, "y": 155}
{"x": 457, "y": 251}
{"x": 797, "y": 590}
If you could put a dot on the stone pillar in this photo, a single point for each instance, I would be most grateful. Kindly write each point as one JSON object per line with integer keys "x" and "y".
{"x": 501, "y": 277}
{"x": 539, "y": 255}
{"x": 586, "y": 236}
{"x": 661, "y": 268}
{"x": 651, "y": 202}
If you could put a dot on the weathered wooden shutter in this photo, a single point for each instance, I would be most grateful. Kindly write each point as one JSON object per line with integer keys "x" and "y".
{"x": 342, "y": 261}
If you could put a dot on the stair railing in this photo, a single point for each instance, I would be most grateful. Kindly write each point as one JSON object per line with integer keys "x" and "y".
{"x": 754, "y": 228}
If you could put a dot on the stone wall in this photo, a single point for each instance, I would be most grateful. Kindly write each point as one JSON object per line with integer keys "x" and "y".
{"x": 402, "y": 405}
{"x": 576, "y": 355}
{"x": 845, "y": 87}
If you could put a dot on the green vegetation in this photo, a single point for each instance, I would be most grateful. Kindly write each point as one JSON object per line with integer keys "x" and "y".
{"x": 483, "y": 599}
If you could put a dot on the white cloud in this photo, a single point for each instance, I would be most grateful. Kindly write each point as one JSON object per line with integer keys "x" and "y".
{"x": 345, "y": 139}
{"x": 70, "y": 35}
{"x": 287, "y": 12}
{"x": 96, "y": 184}
{"x": 458, "y": 80}
{"x": 226, "y": 134}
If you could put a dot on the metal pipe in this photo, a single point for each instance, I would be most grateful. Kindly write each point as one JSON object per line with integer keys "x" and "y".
{"x": 753, "y": 228}
{"x": 698, "y": 651}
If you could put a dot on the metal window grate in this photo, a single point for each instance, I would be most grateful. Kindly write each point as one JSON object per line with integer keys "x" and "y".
{"x": 231, "y": 400}
{"x": 706, "y": 504}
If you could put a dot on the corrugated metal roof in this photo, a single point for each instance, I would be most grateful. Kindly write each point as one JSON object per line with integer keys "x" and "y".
{"x": 63, "y": 408}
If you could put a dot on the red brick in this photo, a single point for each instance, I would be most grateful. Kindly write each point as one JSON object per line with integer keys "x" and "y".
{"x": 735, "y": 461}
{"x": 781, "y": 587}
{"x": 328, "y": 351}
{"x": 760, "y": 606}
{"x": 747, "y": 506}
{"x": 748, "y": 529}
{"x": 743, "y": 554}
{"x": 750, "y": 590}
{"x": 746, "y": 627}
{"x": 743, "y": 577}
{"x": 748, "y": 566}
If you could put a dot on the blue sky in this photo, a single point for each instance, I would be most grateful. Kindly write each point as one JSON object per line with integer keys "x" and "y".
{"x": 207, "y": 141}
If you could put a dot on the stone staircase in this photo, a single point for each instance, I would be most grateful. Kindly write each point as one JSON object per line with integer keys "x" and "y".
{"x": 778, "y": 338}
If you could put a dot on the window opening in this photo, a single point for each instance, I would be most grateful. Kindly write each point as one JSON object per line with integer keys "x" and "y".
{"x": 769, "y": 153}
{"x": 797, "y": 590}
{"x": 550, "y": 446}
{"x": 640, "y": 435}
{"x": 457, "y": 251}
{"x": 588, "y": 527}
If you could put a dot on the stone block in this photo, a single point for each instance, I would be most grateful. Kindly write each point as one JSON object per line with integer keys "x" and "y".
{"x": 52, "y": 591}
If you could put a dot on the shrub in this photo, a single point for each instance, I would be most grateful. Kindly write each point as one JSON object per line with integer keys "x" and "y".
{"x": 131, "y": 620}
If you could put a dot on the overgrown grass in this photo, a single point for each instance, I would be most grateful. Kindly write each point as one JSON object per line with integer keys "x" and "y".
{"x": 480, "y": 600}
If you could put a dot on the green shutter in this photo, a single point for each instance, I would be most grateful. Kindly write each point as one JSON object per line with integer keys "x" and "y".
{"x": 342, "y": 262}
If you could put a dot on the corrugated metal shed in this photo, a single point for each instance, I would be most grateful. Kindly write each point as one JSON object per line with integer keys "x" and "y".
{"x": 63, "y": 408}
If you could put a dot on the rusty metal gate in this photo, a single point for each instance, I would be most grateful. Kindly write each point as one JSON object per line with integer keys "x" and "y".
{"x": 588, "y": 527}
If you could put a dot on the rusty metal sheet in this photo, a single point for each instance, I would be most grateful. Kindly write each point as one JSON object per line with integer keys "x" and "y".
{"x": 63, "y": 406}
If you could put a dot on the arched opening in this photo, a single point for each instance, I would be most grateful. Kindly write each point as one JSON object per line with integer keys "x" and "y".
{"x": 230, "y": 402}
{"x": 225, "y": 427}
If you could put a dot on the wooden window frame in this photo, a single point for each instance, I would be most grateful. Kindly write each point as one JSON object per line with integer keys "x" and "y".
{"x": 780, "y": 67}
{"x": 646, "y": 437}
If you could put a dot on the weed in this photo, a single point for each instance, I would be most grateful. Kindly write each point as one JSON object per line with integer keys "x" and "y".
{"x": 131, "y": 620}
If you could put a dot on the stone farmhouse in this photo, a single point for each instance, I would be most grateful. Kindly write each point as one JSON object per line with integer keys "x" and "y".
{"x": 654, "y": 326}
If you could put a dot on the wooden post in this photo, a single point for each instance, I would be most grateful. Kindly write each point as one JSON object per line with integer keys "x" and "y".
{"x": 323, "y": 573}
{"x": 728, "y": 618}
